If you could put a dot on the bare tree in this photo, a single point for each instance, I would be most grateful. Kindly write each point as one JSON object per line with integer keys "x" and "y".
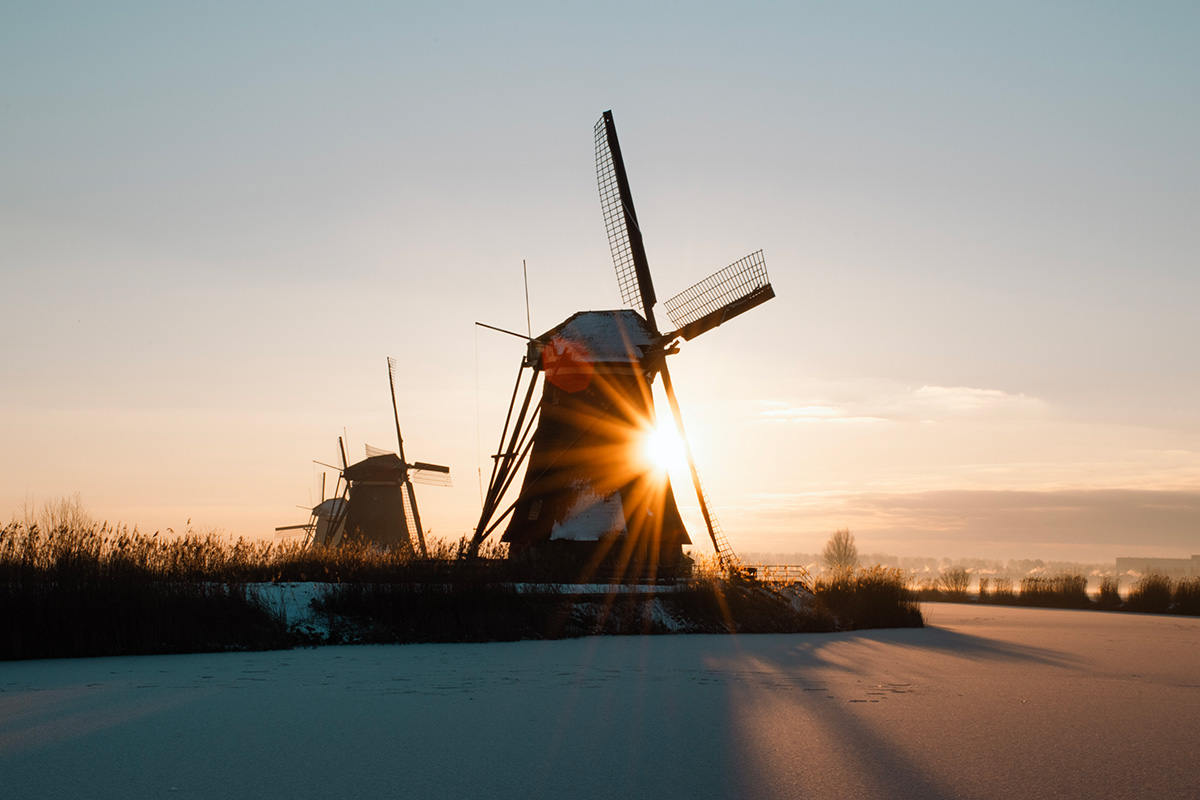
{"x": 840, "y": 551}
{"x": 955, "y": 581}
{"x": 65, "y": 513}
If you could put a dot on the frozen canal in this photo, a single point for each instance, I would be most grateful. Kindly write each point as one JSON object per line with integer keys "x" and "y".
{"x": 987, "y": 702}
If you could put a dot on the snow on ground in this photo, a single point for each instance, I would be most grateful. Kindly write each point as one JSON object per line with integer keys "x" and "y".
{"x": 987, "y": 702}
{"x": 295, "y": 601}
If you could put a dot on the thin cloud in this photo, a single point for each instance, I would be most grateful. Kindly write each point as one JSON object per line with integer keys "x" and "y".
{"x": 927, "y": 404}
{"x": 965, "y": 399}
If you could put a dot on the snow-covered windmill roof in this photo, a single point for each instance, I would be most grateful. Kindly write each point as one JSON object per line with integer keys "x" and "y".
{"x": 605, "y": 336}
{"x": 386, "y": 467}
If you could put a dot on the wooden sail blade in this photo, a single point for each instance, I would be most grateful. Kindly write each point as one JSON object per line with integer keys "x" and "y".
{"x": 725, "y": 555}
{"x": 720, "y": 297}
{"x": 620, "y": 222}
{"x": 430, "y": 477}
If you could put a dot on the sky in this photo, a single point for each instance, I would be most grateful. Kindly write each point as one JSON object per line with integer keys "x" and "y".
{"x": 218, "y": 220}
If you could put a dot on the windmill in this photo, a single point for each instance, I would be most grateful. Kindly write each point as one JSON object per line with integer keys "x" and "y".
{"x": 374, "y": 500}
{"x": 326, "y": 521}
{"x": 584, "y": 492}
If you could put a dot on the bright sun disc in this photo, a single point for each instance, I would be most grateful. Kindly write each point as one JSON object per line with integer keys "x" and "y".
{"x": 663, "y": 449}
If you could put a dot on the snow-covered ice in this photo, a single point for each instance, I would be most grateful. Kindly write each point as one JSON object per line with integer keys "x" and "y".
{"x": 986, "y": 702}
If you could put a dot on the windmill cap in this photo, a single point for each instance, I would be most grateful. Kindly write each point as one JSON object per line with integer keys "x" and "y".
{"x": 604, "y": 336}
{"x": 386, "y": 467}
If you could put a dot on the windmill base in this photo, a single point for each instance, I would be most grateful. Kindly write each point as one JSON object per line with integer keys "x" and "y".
{"x": 605, "y": 561}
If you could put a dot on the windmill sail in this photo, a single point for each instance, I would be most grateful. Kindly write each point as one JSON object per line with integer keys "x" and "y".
{"x": 725, "y": 555}
{"x": 620, "y": 221}
{"x": 412, "y": 517}
{"x": 722, "y": 296}
{"x": 429, "y": 474}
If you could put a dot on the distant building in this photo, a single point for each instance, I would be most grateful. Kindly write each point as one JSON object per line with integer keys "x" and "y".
{"x": 1174, "y": 567}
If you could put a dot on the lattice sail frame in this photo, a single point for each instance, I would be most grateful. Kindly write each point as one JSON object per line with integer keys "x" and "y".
{"x": 428, "y": 477}
{"x": 618, "y": 216}
{"x": 721, "y": 296}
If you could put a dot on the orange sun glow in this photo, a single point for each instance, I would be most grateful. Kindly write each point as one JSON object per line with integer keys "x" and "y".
{"x": 662, "y": 448}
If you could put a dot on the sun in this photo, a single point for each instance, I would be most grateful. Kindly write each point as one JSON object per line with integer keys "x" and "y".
{"x": 662, "y": 448}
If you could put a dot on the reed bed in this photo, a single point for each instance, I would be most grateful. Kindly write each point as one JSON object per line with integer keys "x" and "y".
{"x": 1151, "y": 594}
{"x": 87, "y": 589}
{"x": 1157, "y": 594}
{"x": 1186, "y": 597}
{"x": 869, "y": 597}
{"x": 1109, "y": 596}
{"x": 1002, "y": 591}
{"x": 1057, "y": 591}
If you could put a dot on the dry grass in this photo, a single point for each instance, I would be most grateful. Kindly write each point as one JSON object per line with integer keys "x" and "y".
{"x": 1109, "y": 597}
{"x": 31, "y": 553}
{"x": 1186, "y": 598}
{"x": 72, "y": 587}
{"x": 1150, "y": 594}
{"x": 80, "y": 588}
{"x": 1002, "y": 591}
{"x": 1058, "y": 591}
{"x": 871, "y": 597}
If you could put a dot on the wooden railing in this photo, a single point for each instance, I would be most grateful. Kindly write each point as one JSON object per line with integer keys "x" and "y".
{"x": 779, "y": 573}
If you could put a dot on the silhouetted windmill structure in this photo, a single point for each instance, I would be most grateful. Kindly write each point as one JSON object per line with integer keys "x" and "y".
{"x": 319, "y": 530}
{"x": 586, "y": 498}
{"x": 374, "y": 500}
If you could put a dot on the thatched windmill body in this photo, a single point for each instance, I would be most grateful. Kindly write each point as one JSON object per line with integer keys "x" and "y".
{"x": 586, "y": 496}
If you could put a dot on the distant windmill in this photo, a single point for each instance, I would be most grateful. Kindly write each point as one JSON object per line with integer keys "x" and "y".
{"x": 374, "y": 500}
{"x": 586, "y": 496}
{"x": 325, "y": 525}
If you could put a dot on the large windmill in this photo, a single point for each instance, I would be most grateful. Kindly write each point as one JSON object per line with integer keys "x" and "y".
{"x": 374, "y": 500}
{"x": 586, "y": 496}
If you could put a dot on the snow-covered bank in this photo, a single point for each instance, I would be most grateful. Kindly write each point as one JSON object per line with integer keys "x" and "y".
{"x": 986, "y": 702}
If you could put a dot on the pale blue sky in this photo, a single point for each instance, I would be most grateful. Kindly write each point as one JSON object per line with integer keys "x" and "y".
{"x": 216, "y": 221}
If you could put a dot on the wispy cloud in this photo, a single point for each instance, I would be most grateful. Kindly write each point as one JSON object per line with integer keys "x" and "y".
{"x": 889, "y": 404}
{"x": 964, "y": 399}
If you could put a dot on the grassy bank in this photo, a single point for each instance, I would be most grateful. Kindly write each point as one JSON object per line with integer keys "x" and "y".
{"x": 81, "y": 589}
